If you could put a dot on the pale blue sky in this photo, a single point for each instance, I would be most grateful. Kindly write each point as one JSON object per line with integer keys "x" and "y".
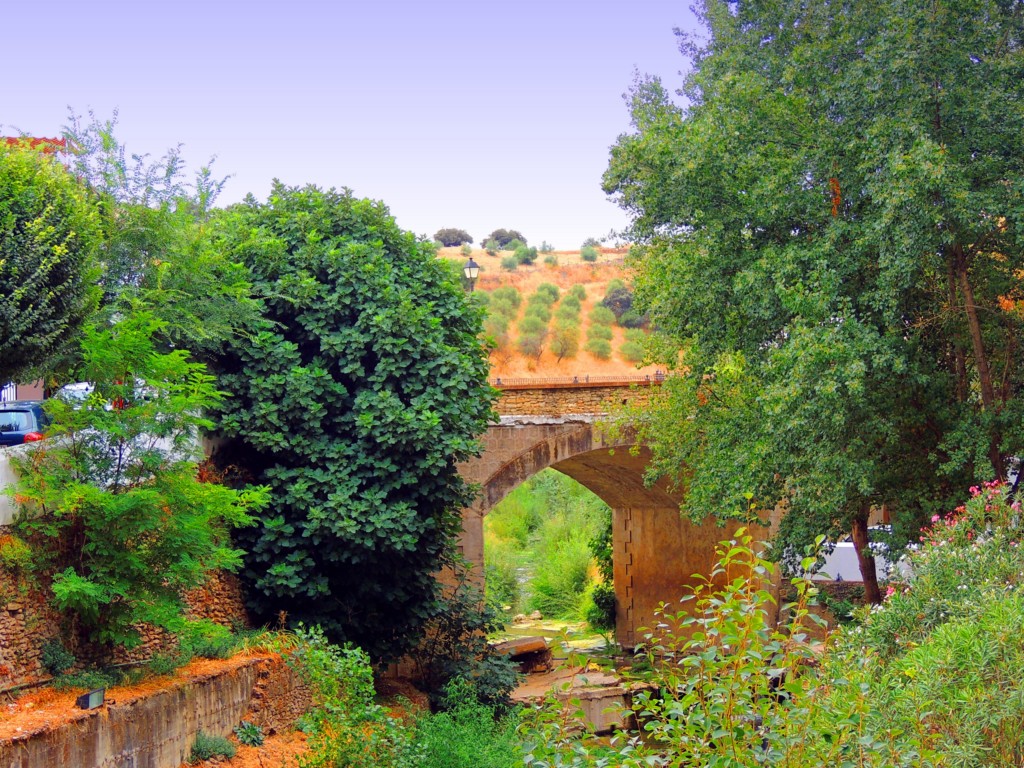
{"x": 476, "y": 115}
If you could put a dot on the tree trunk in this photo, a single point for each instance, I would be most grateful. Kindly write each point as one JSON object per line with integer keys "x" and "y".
{"x": 988, "y": 394}
{"x": 864, "y": 557}
{"x": 959, "y": 359}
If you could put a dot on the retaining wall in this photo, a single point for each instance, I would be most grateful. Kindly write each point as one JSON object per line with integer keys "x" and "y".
{"x": 157, "y": 730}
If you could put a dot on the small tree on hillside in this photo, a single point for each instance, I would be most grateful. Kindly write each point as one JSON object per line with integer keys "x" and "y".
{"x": 354, "y": 404}
{"x": 450, "y": 237}
{"x": 505, "y": 236}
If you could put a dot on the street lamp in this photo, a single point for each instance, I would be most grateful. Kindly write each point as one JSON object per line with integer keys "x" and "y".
{"x": 471, "y": 271}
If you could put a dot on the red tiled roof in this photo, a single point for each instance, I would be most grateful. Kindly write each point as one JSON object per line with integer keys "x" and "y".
{"x": 48, "y": 146}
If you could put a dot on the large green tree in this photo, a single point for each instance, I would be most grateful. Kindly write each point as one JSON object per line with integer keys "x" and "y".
{"x": 353, "y": 399}
{"x": 48, "y": 240}
{"x": 829, "y": 227}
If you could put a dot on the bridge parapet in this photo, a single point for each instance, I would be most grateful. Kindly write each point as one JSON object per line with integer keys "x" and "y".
{"x": 573, "y": 395}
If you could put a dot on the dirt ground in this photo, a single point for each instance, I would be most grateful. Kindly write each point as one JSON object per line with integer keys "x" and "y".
{"x": 571, "y": 270}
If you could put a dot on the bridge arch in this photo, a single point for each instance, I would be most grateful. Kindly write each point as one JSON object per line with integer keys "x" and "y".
{"x": 655, "y": 551}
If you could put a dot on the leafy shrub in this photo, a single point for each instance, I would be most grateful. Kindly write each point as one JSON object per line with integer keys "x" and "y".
{"x": 618, "y": 300}
{"x": 249, "y": 734}
{"x": 502, "y": 307}
{"x": 118, "y": 557}
{"x": 341, "y": 287}
{"x": 547, "y": 292}
{"x": 589, "y": 254}
{"x": 525, "y": 255}
{"x": 450, "y": 236}
{"x": 55, "y": 658}
{"x": 531, "y": 343}
{"x": 15, "y": 555}
{"x": 467, "y": 250}
{"x": 546, "y": 247}
{"x": 635, "y": 335}
{"x": 501, "y": 565}
{"x": 503, "y": 237}
{"x": 600, "y": 612}
{"x": 513, "y": 245}
{"x": 578, "y": 292}
{"x": 538, "y": 310}
{"x": 591, "y": 242}
{"x": 509, "y": 293}
{"x": 551, "y": 261}
{"x": 613, "y": 285}
{"x": 347, "y": 728}
{"x": 88, "y": 679}
{"x": 631, "y": 351}
{"x": 468, "y": 734}
{"x": 207, "y": 745}
{"x": 599, "y": 348}
{"x": 491, "y": 247}
{"x": 633, "y": 319}
{"x": 600, "y": 315}
{"x": 568, "y": 312}
{"x": 602, "y": 332}
{"x": 166, "y": 663}
{"x": 509, "y": 263}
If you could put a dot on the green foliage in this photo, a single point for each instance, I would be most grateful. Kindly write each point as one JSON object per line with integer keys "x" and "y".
{"x": 539, "y": 310}
{"x": 88, "y": 679}
{"x": 600, "y": 610}
{"x": 455, "y": 648}
{"x": 546, "y": 247}
{"x": 491, "y": 247}
{"x": 501, "y": 574}
{"x": 589, "y": 253}
{"x": 49, "y": 236}
{"x": 631, "y": 351}
{"x": 599, "y": 348}
{"x": 618, "y": 300}
{"x": 551, "y": 260}
{"x": 591, "y": 242}
{"x": 467, "y": 251}
{"x": 124, "y": 524}
{"x": 633, "y": 319}
{"x": 207, "y": 745}
{"x": 601, "y": 315}
{"x": 565, "y": 339}
{"x": 15, "y": 555}
{"x": 354, "y": 399}
{"x": 600, "y": 332}
{"x": 55, "y": 658}
{"x": 504, "y": 237}
{"x": 578, "y": 292}
{"x": 510, "y": 294}
{"x": 525, "y": 254}
{"x": 469, "y": 734}
{"x": 249, "y": 734}
{"x": 347, "y": 728}
{"x": 546, "y": 292}
{"x": 832, "y": 247}
{"x": 568, "y": 311}
{"x": 533, "y": 331}
{"x": 451, "y": 236}
{"x": 509, "y": 263}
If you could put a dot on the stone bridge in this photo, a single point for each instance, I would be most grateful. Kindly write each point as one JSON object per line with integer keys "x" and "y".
{"x": 556, "y": 423}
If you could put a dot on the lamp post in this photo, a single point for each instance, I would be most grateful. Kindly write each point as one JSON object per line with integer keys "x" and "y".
{"x": 471, "y": 271}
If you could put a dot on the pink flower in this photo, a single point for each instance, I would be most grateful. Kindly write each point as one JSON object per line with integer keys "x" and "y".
{"x": 935, "y": 518}
{"x": 890, "y": 591}
{"x": 975, "y": 490}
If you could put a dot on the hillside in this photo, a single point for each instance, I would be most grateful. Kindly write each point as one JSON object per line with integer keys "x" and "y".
{"x": 570, "y": 270}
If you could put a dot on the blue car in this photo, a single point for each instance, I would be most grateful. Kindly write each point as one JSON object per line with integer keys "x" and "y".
{"x": 22, "y": 421}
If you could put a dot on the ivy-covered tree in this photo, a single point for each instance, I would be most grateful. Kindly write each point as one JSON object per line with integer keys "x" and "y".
{"x": 831, "y": 229}
{"x": 354, "y": 400}
{"x": 48, "y": 240}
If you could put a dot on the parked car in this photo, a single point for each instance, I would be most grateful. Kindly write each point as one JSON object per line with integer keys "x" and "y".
{"x": 22, "y": 421}
{"x": 841, "y": 564}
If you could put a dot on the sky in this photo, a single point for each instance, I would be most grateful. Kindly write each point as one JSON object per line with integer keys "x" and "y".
{"x": 476, "y": 115}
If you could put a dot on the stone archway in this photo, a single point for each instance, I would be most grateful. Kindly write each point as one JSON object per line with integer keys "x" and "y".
{"x": 656, "y": 551}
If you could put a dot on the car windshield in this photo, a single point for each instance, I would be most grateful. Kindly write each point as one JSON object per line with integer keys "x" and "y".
{"x": 16, "y": 421}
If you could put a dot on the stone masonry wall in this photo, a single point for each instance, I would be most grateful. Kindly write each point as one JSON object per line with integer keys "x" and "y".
{"x": 157, "y": 730}
{"x": 27, "y": 623}
{"x": 569, "y": 398}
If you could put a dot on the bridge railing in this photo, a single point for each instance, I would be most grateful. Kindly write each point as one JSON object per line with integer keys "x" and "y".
{"x": 584, "y": 380}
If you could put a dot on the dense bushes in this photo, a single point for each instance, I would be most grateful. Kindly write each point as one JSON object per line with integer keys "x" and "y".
{"x": 354, "y": 400}
{"x": 450, "y": 237}
{"x": 503, "y": 237}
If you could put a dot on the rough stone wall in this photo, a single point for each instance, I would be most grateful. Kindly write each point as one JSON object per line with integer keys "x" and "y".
{"x": 568, "y": 399}
{"x": 157, "y": 730}
{"x": 27, "y": 623}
